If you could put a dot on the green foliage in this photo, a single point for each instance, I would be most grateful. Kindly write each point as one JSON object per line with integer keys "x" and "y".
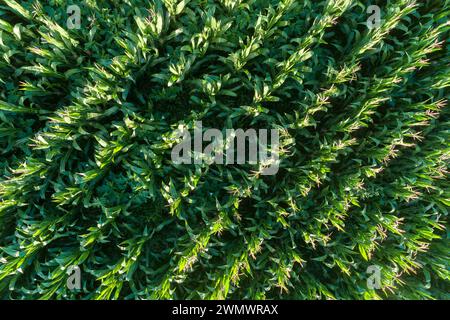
{"x": 87, "y": 118}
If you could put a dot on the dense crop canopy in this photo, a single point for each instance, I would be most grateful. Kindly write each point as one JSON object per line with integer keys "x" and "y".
{"x": 88, "y": 117}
